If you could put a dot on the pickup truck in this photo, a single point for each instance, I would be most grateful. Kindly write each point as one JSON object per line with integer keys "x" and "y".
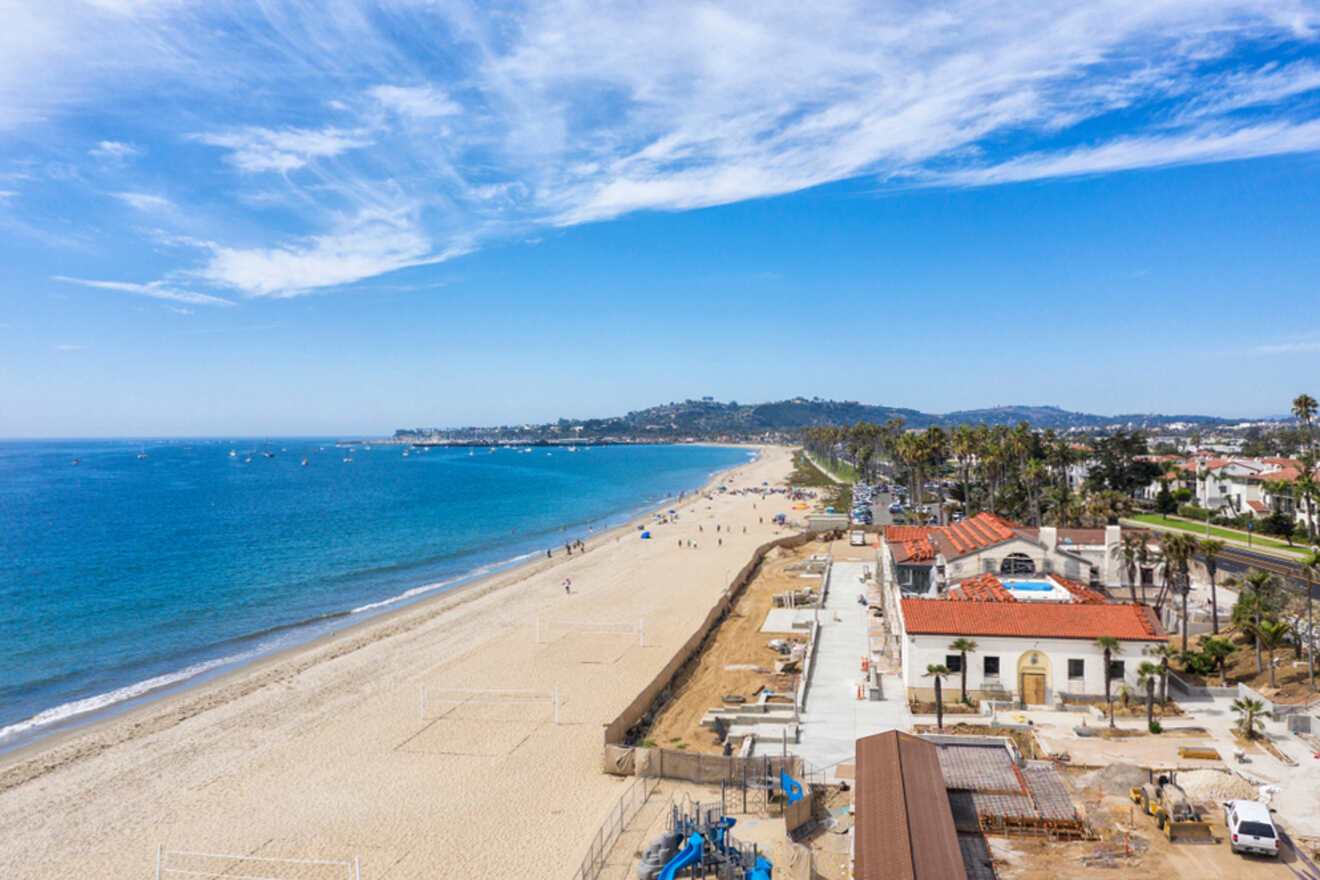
{"x": 1250, "y": 828}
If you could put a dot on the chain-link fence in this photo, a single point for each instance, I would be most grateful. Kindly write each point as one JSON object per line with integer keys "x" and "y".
{"x": 620, "y": 814}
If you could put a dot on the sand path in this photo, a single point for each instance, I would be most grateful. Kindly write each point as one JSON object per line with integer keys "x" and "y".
{"x": 320, "y": 752}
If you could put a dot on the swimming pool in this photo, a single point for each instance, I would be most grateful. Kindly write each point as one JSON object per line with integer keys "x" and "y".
{"x": 1030, "y": 586}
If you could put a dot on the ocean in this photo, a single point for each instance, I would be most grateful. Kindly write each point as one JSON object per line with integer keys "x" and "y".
{"x": 149, "y": 566}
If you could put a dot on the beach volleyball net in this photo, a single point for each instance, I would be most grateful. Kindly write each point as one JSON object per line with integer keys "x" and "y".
{"x": 547, "y": 629}
{"x": 174, "y": 864}
{"x": 443, "y": 702}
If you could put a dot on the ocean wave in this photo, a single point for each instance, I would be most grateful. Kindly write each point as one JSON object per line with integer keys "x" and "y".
{"x": 66, "y": 712}
{"x": 440, "y": 585}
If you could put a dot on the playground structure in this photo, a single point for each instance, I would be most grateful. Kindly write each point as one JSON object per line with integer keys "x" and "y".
{"x": 429, "y": 698}
{"x": 697, "y": 841}
{"x": 546, "y": 628}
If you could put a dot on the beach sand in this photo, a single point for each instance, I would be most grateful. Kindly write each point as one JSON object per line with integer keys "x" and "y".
{"x": 320, "y": 752}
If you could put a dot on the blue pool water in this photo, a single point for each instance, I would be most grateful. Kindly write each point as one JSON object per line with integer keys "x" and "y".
{"x": 1030, "y": 586}
{"x": 122, "y": 577}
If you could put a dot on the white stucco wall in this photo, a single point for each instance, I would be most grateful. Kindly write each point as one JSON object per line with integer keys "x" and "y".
{"x": 919, "y": 651}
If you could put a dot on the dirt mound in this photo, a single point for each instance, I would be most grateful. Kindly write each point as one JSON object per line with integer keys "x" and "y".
{"x": 1215, "y": 786}
{"x": 1115, "y": 779}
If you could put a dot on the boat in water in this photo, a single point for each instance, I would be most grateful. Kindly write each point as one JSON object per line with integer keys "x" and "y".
{"x": 347, "y": 459}
{"x": 303, "y": 462}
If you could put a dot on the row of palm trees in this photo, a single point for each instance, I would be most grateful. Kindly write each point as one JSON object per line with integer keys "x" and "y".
{"x": 1016, "y": 471}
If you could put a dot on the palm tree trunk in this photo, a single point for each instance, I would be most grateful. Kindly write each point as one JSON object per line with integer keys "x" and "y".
{"x": 1150, "y": 702}
{"x": 1255, "y": 638}
{"x": 1186, "y": 590}
{"x": 1272, "y": 684}
{"x": 939, "y": 705}
{"x": 1214, "y": 605}
{"x": 1164, "y": 682}
{"x": 963, "y": 669}
{"x": 1310, "y": 636}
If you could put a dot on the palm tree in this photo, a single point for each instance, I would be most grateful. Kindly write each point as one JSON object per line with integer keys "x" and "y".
{"x": 1147, "y": 674}
{"x": 1259, "y": 582}
{"x": 965, "y": 445}
{"x": 1165, "y": 652}
{"x": 1128, "y": 550}
{"x": 1310, "y": 571}
{"x": 963, "y": 647}
{"x": 1250, "y": 712}
{"x": 1210, "y": 547}
{"x": 1110, "y": 646}
{"x": 1219, "y": 650}
{"x": 1304, "y": 408}
{"x": 1306, "y": 489}
{"x": 1270, "y": 634}
{"x": 938, "y": 671}
{"x": 1033, "y": 475}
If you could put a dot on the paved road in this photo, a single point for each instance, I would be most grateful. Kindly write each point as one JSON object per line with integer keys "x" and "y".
{"x": 1239, "y": 560}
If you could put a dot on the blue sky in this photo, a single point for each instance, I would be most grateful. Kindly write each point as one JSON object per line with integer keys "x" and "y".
{"x": 335, "y": 217}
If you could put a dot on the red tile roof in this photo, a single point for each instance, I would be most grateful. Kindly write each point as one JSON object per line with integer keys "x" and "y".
{"x": 1082, "y": 595}
{"x": 1258, "y": 506}
{"x": 1283, "y": 475}
{"x": 986, "y": 588}
{"x": 1128, "y": 621}
{"x": 912, "y": 542}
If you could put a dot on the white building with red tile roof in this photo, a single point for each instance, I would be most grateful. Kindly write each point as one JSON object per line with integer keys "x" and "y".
{"x": 927, "y": 559}
{"x": 1036, "y": 651}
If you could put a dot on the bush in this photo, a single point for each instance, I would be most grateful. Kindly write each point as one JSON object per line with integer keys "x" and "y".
{"x": 1191, "y": 511}
{"x": 1198, "y": 663}
{"x": 1156, "y": 727}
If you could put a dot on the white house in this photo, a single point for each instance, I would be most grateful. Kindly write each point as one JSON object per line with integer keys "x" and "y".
{"x": 926, "y": 557}
{"x": 1037, "y": 650}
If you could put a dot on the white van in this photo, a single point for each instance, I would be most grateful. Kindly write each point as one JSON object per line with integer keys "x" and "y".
{"x": 1250, "y": 828}
{"x": 857, "y": 539}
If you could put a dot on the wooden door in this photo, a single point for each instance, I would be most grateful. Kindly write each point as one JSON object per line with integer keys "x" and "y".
{"x": 1033, "y": 688}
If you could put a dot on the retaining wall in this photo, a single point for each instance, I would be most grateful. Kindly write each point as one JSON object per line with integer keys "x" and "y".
{"x": 649, "y": 697}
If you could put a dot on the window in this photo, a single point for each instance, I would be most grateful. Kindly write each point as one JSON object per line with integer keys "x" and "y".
{"x": 1017, "y": 563}
{"x": 990, "y": 667}
{"x": 1076, "y": 668}
{"x": 1116, "y": 670}
{"x": 953, "y": 663}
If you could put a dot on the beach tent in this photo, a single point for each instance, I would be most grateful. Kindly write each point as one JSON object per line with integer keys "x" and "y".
{"x": 646, "y": 535}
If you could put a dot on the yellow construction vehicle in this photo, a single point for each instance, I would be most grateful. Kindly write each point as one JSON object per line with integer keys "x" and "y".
{"x": 1173, "y": 811}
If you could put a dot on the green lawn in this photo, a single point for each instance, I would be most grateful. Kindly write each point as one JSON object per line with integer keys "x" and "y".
{"x": 1198, "y": 528}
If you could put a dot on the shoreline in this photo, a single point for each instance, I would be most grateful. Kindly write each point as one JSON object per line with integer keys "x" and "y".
{"x": 174, "y": 704}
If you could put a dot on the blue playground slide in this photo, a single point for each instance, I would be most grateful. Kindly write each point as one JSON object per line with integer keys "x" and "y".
{"x": 761, "y": 871}
{"x": 686, "y": 856}
{"x": 791, "y": 788}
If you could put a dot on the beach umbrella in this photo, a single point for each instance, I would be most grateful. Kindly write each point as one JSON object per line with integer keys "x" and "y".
{"x": 646, "y": 535}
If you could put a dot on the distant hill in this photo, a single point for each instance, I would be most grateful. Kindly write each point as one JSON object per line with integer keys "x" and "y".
{"x": 709, "y": 418}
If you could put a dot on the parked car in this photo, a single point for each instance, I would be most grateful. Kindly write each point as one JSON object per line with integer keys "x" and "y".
{"x": 1250, "y": 828}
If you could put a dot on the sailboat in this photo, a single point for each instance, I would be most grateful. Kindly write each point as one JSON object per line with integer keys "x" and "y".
{"x": 303, "y": 462}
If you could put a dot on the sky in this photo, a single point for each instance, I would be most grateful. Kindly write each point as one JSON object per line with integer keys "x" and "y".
{"x": 336, "y": 217}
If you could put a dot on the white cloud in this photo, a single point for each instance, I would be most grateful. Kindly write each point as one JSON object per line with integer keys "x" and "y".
{"x": 144, "y": 201}
{"x": 156, "y": 289}
{"x": 68, "y": 347}
{"x": 419, "y": 101}
{"x": 1294, "y": 347}
{"x": 114, "y": 151}
{"x": 562, "y": 112}
{"x": 7, "y": 193}
{"x": 1205, "y": 145}
{"x": 264, "y": 149}
{"x": 372, "y": 243}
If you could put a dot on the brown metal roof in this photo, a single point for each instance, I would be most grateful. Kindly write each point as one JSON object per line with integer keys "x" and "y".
{"x": 904, "y": 828}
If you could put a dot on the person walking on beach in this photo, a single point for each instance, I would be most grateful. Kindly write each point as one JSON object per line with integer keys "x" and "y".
{"x": 568, "y": 585}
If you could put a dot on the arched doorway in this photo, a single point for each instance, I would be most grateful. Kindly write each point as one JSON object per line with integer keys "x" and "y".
{"x": 1033, "y": 678}
{"x": 1017, "y": 563}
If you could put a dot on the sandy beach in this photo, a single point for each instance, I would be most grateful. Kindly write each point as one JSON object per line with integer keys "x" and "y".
{"x": 322, "y": 751}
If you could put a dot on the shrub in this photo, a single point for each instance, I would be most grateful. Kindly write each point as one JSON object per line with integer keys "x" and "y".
{"x": 1191, "y": 511}
{"x": 1156, "y": 727}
